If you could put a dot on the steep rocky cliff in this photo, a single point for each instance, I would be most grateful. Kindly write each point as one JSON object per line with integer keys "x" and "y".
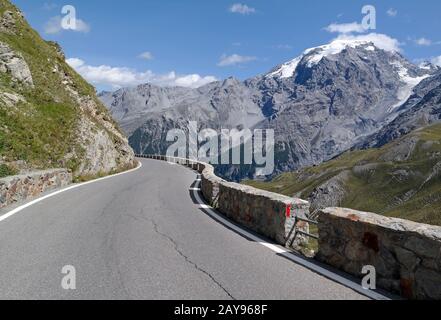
{"x": 49, "y": 116}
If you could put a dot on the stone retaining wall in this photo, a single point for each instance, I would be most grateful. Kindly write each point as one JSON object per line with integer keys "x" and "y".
{"x": 24, "y": 187}
{"x": 406, "y": 255}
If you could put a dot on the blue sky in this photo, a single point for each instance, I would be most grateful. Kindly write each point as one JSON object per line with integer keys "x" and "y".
{"x": 191, "y": 42}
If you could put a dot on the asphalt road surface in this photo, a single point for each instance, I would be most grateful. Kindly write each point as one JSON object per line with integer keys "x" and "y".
{"x": 141, "y": 236}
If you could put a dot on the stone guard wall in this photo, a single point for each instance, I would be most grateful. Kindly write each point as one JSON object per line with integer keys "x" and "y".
{"x": 263, "y": 212}
{"x": 406, "y": 255}
{"x": 24, "y": 187}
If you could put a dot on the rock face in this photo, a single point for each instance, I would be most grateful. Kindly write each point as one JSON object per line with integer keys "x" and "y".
{"x": 10, "y": 99}
{"x": 406, "y": 255}
{"x": 331, "y": 193}
{"x": 320, "y": 104}
{"x": 105, "y": 148}
{"x": 7, "y": 21}
{"x": 49, "y": 116}
{"x": 422, "y": 109}
{"x": 227, "y": 104}
{"x": 12, "y": 63}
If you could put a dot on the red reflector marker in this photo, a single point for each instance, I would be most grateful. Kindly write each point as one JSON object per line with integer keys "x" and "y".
{"x": 288, "y": 211}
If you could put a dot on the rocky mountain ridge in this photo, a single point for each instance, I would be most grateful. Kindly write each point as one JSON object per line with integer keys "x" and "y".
{"x": 423, "y": 108}
{"x": 320, "y": 104}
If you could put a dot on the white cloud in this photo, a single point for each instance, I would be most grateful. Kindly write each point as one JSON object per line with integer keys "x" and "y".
{"x": 75, "y": 63}
{"x": 242, "y": 9}
{"x": 117, "y": 77}
{"x": 423, "y": 42}
{"x": 82, "y": 26}
{"x": 392, "y": 12}
{"x": 191, "y": 80}
{"x": 436, "y": 61}
{"x": 146, "y": 56}
{"x": 53, "y": 26}
{"x": 345, "y": 28}
{"x": 348, "y": 32}
{"x": 234, "y": 59}
{"x": 381, "y": 41}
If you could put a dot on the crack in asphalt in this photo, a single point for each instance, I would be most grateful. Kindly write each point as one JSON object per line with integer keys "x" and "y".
{"x": 112, "y": 261}
{"x": 110, "y": 253}
{"x": 188, "y": 260}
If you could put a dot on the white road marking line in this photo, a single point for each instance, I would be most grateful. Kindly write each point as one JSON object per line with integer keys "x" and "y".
{"x": 273, "y": 247}
{"x": 29, "y": 204}
{"x": 292, "y": 257}
{"x": 232, "y": 226}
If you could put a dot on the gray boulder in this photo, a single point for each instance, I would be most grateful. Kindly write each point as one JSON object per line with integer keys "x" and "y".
{"x": 13, "y": 63}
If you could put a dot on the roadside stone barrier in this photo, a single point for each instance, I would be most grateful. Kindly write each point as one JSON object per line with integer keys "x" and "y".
{"x": 406, "y": 255}
{"x": 19, "y": 188}
{"x": 269, "y": 214}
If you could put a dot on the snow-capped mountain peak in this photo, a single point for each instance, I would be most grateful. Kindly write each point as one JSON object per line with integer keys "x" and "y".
{"x": 287, "y": 69}
{"x": 314, "y": 55}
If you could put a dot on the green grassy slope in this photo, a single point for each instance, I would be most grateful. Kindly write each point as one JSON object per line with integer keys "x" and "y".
{"x": 41, "y": 131}
{"x": 401, "y": 179}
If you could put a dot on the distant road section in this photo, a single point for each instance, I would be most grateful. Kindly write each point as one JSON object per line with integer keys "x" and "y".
{"x": 141, "y": 236}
